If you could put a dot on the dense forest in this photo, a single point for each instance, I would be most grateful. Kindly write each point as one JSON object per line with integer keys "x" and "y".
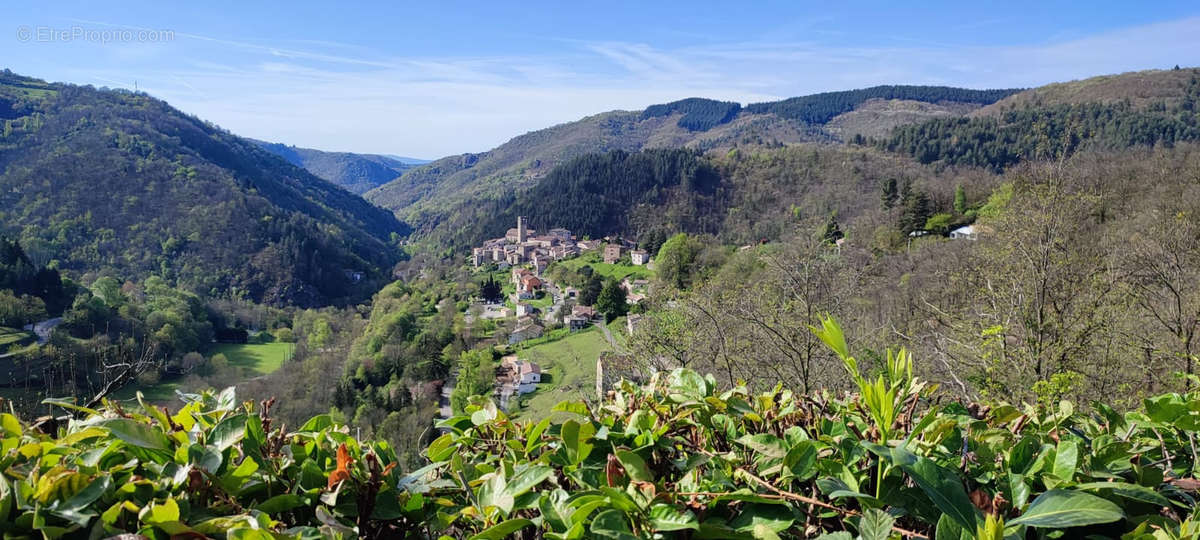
{"x": 1048, "y": 132}
{"x": 821, "y": 108}
{"x": 699, "y": 114}
{"x": 28, "y": 293}
{"x": 116, "y": 183}
{"x": 747, "y": 195}
{"x": 595, "y": 195}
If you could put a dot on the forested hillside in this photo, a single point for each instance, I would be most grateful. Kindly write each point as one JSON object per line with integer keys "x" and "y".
{"x": 699, "y": 114}
{"x": 597, "y": 195}
{"x": 757, "y": 192}
{"x": 28, "y": 293}
{"x": 748, "y": 195}
{"x": 116, "y": 183}
{"x": 435, "y": 196}
{"x": 358, "y": 173}
{"x": 1136, "y": 88}
{"x": 1037, "y": 131}
{"x": 821, "y": 108}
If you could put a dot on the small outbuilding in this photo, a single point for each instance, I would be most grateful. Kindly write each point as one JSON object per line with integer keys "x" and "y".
{"x": 964, "y": 233}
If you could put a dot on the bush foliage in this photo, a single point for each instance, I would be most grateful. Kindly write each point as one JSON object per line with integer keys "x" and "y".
{"x": 674, "y": 458}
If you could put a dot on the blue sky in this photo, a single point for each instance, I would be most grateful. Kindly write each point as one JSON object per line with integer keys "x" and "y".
{"x": 432, "y": 79}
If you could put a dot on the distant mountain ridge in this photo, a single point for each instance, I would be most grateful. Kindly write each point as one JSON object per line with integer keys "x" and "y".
{"x": 426, "y": 196}
{"x": 111, "y": 182}
{"x": 1138, "y": 88}
{"x": 358, "y": 173}
{"x": 408, "y": 160}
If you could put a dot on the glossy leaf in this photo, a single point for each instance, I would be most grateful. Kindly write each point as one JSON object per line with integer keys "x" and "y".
{"x": 503, "y": 530}
{"x": 1060, "y": 509}
{"x": 941, "y": 486}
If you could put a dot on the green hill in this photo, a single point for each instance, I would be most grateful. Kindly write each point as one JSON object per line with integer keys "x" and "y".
{"x": 1051, "y": 122}
{"x": 120, "y": 183}
{"x": 821, "y": 108}
{"x": 358, "y": 173}
{"x": 1138, "y": 88}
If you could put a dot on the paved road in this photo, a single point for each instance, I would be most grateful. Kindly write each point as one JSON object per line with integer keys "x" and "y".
{"x": 556, "y": 304}
{"x": 444, "y": 401}
{"x": 608, "y": 335}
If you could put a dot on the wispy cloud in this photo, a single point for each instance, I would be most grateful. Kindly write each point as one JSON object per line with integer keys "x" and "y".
{"x": 346, "y": 97}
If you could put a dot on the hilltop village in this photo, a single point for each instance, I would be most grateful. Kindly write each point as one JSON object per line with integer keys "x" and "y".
{"x": 521, "y": 246}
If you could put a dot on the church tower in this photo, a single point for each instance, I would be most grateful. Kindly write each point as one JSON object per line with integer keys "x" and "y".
{"x": 520, "y": 230}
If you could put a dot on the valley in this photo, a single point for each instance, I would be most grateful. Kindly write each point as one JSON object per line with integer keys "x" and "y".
{"x": 736, "y": 320}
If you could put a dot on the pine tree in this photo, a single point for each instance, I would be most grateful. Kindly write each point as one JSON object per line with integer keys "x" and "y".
{"x": 591, "y": 291}
{"x": 960, "y": 200}
{"x": 612, "y": 301}
{"x": 888, "y": 193}
{"x": 916, "y": 208}
{"x": 491, "y": 291}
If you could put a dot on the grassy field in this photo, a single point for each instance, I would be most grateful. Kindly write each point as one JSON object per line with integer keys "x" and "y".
{"x": 13, "y": 336}
{"x": 569, "y": 364}
{"x": 618, "y": 271}
{"x": 253, "y": 359}
{"x": 542, "y": 303}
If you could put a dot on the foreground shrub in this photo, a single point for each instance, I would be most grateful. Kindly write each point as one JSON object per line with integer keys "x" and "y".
{"x": 673, "y": 458}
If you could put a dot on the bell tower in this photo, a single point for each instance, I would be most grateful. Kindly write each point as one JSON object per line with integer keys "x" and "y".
{"x": 520, "y": 230}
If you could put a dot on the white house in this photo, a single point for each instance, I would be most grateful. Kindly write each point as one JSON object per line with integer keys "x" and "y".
{"x": 519, "y": 375}
{"x": 531, "y": 374}
{"x": 964, "y": 233}
{"x": 639, "y": 257}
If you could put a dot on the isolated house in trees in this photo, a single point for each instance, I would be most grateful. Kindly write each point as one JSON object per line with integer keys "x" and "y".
{"x": 575, "y": 322}
{"x": 639, "y": 257}
{"x": 964, "y": 233}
